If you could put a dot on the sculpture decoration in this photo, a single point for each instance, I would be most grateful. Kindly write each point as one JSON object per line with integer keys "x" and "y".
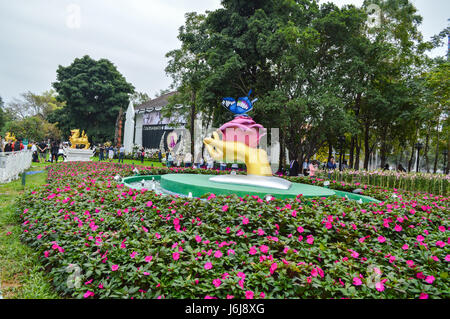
{"x": 240, "y": 139}
{"x": 75, "y": 139}
{"x": 10, "y": 137}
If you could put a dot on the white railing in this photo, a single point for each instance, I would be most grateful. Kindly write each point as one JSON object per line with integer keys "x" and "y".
{"x": 14, "y": 163}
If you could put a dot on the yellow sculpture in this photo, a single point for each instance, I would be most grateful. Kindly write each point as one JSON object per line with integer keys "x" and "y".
{"x": 10, "y": 137}
{"x": 75, "y": 139}
{"x": 255, "y": 159}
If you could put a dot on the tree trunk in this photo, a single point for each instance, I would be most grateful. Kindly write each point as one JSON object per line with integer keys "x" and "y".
{"x": 427, "y": 142}
{"x": 191, "y": 129}
{"x": 352, "y": 149}
{"x": 330, "y": 150}
{"x": 383, "y": 153}
{"x": 437, "y": 149}
{"x": 358, "y": 152}
{"x": 411, "y": 158}
{"x": 366, "y": 146}
{"x": 282, "y": 152}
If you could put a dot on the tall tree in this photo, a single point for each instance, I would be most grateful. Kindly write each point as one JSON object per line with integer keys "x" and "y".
{"x": 94, "y": 91}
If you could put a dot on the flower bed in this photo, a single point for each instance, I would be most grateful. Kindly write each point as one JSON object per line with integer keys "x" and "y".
{"x": 98, "y": 239}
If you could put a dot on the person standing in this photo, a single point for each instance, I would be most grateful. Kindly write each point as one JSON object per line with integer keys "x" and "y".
{"x": 18, "y": 146}
{"x": 331, "y": 166}
{"x": 142, "y": 154}
{"x": 188, "y": 159}
{"x": 121, "y": 153}
{"x": 8, "y": 147}
{"x": 42, "y": 147}
{"x": 34, "y": 152}
{"x": 312, "y": 169}
{"x": 54, "y": 149}
{"x": 101, "y": 153}
{"x": 60, "y": 152}
{"x": 305, "y": 167}
{"x": 209, "y": 162}
{"x": 160, "y": 156}
{"x": 294, "y": 167}
{"x": 110, "y": 153}
{"x": 169, "y": 160}
{"x": 2, "y": 144}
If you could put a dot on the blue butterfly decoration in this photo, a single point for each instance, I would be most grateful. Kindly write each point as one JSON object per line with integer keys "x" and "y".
{"x": 242, "y": 106}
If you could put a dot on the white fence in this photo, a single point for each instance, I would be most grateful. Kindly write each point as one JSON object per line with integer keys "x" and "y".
{"x": 14, "y": 163}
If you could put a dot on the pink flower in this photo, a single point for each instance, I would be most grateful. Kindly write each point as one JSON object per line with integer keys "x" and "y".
{"x": 310, "y": 239}
{"x": 224, "y": 208}
{"x": 357, "y": 281}
{"x": 262, "y": 295}
{"x": 208, "y": 265}
{"x": 440, "y": 243}
{"x": 46, "y": 253}
{"x": 405, "y": 247}
{"x": 300, "y": 229}
{"x": 380, "y": 286}
{"x": 218, "y": 254}
{"x": 429, "y": 279}
{"x": 176, "y": 256}
{"x": 114, "y": 267}
{"x": 230, "y": 252}
{"x": 148, "y": 258}
{"x": 410, "y": 263}
{"x": 149, "y": 203}
{"x": 442, "y": 228}
{"x": 423, "y": 295}
{"x": 273, "y": 267}
{"x": 264, "y": 249}
{"x": 133, "y": 254}
{"x": 245, "y": 221}
{"x": 420, "y": 238}
{"x": 328, "y": 225}
{"x": 157, "y": 235}
{"x": 198, "y": 238}
{"x": 88, "y": 294}
{"x": 249, "y": 294}
{"x": 314, "y": 272}
{"x": 398, "y": 228}
{"x": 252, "y": 250}
{"x": 381, "y": 239}
{"x": 217, "y": 282}
{"x": 100, "y": 286}
{"x": 447, "y": 258}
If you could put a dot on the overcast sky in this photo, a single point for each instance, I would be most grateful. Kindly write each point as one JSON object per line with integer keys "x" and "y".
{"x": 39, "y": 35}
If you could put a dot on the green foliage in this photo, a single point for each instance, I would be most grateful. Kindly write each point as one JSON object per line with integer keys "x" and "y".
{"x": 34, "y": 128}
{"x": 94, "y": 92}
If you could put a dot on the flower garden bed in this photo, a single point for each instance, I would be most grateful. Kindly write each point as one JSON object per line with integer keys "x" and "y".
{"x": 99, "y": 239}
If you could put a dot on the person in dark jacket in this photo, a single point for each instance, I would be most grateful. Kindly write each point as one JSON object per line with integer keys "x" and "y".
{"x": 8, "y": 147}
{"x": 293, "y": 168}
{"x": 54, "y": 151}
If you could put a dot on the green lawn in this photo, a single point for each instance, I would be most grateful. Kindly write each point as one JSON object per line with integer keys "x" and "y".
{"x": 21, "y": 274}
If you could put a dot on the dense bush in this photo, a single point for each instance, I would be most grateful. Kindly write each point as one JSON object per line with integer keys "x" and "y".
{"x": 98, "y": 239}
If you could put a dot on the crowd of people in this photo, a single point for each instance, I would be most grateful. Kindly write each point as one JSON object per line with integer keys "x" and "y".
{"x": 44, "y": 151}
{"x": 309, "y": 168}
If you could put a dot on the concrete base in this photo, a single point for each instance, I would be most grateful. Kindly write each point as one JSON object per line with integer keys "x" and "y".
{"x": 253, "y": 180}
{"x": 74, "y": 154}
